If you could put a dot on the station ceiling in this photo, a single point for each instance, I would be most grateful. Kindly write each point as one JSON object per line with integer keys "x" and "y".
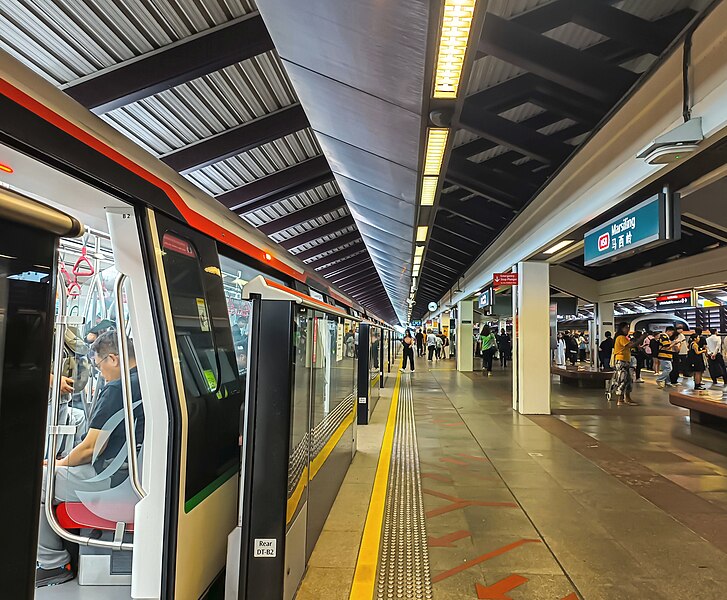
{"x": 545, "y": 76}
{"x": 201, "y": 86}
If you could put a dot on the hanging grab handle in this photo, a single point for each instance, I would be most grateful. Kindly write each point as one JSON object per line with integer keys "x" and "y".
{"x": 83, "y": 266}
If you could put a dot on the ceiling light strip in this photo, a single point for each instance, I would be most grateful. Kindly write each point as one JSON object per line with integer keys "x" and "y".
{"x": 456, "y": 25}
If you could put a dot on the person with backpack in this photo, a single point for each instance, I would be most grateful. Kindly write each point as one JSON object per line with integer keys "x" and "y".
{"x": 489, "y": 345}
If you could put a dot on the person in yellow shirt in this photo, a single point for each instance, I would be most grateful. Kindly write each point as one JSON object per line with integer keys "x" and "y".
{"x": 622, "y": 381}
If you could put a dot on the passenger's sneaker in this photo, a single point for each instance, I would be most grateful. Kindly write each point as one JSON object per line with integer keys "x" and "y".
{"x": 699, "y": 386}
{"x": 639, "y": 380}
{"x": 670, "y": 385}
{"x": 660, "y": 384}
{"x": 489, "y": 373}
{"x": 45, "y": 577}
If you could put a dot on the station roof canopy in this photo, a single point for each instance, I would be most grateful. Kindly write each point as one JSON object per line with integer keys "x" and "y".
{"x": 546, "y": 74}
{"x": 201, "y": 86}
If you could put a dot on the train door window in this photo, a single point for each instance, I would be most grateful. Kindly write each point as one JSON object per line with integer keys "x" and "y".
{"x": 210, "y": 371}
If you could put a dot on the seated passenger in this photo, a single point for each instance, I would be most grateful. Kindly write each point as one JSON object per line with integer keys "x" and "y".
{"x": 80, "y": 469}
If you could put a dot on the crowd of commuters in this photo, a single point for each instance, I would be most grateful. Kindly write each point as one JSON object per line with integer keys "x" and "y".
{"x": 671, "y": 354}
{"x": 434, "y": 345}
{"x": 570, "y": 347}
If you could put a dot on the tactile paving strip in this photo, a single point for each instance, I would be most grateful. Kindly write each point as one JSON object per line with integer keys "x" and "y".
{"x": 404, "y": 556}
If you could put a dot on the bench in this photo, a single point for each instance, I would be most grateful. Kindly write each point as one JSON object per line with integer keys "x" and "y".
{"x": 582, "y": 377}
{"x": 704, "y": 407}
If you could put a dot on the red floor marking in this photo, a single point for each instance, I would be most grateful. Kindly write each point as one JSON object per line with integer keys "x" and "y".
{"x": 477, "y": 458}
{"x": 445, "y": 541}
{"x": 442, "y": 495}
{"x": 570, "y": 597}
{"x": 445, "y": 509}
{"x": 498, "y": 590}
{"x": 436, "y": 477}
{"x": 481, "y": 559}
{"x": 453, "y": 461}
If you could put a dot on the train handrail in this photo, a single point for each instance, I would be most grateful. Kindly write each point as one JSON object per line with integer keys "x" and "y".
{"x": 134, "y": 477}
{"x": 54, "y": 430}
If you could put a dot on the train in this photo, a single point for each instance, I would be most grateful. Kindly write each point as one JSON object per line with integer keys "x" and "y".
{"x": 235, "y": 388}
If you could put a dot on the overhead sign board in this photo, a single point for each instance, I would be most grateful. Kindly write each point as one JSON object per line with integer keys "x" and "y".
{"x": 651, "y": 223}
{"x": 671, "y": 301}
{"x": 485, "y": 298}
{"x": 504, "y": 279}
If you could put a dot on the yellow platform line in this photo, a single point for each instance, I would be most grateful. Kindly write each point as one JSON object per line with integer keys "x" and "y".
{"x": 364, "y": 578}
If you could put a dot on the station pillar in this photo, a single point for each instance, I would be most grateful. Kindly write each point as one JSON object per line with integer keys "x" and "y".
{"x": 604, "y": 322}
{"x": 531, "y": 364}
{"x": 465, "y": 313}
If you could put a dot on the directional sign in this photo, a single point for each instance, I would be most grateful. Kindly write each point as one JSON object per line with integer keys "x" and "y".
{"x": 504, "y": 279}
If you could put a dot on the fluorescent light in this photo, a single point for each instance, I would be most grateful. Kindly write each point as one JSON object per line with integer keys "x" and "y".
{"x": 456, "y": 24}
{"x": 429, "y": 190}
{"x": 422, "y": 233}
{"x": 559, "y": 246}
{"x": 436, "y": 143}
{"x": 417, "y": 260}
{"x": 419, "y": 251}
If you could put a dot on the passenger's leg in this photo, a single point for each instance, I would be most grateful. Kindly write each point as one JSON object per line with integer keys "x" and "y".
{"x": 676, "y": 368}
{"x": 69, "y": 480}
{"x": 666, "y": 369}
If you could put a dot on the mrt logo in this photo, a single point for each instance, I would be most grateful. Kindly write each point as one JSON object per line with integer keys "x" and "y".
{"x": 604, "y": 241}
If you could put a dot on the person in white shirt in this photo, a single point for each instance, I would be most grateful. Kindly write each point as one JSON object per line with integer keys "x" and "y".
{"x": 715, "y": 359}
{"x": 680, "y": 356}
{"x": 431, "y": 344}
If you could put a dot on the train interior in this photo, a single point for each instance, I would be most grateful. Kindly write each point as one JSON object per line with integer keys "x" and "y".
{"x": 110, "y": 513}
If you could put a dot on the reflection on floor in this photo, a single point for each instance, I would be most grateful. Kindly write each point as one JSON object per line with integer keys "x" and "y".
{"x": 73, "y": 591}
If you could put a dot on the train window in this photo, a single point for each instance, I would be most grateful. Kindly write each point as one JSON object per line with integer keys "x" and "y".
{"x": 213, "y": 389}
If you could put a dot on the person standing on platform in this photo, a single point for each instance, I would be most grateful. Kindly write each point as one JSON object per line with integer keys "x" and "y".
{"x": 667, "y": 347}
{"x": 680, "y": 364}
{"x": 605, "y": 349}
{"x": 445, "y": 346}
{"x": 717, "y": 367}
{"x": 505, "y": 347}
{"x": 560, "y": 359}
{"x": 622, "y": 382}
{"x": 638, "y": 356}
{"x": 582, "y": 347}
{"x": 408, "y": 343}
{"x": 489, "y": 345}
{"x": 571, "y": 347}
{"x": 431, "y": 344}
{"x": 695, "y": 357}
{"x": 438, "y": 345}
{"x": 420, "y": 342}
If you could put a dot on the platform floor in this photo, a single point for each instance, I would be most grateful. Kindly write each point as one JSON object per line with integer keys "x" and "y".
{"x": 593, "y": 502}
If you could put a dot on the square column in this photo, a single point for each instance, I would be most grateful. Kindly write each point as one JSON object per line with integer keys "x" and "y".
{"x": 465, "y": 312}
{"x": 531, "y": 299}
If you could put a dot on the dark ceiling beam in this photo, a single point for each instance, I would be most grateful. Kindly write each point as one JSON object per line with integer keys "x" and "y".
{"x": 368, "y": 288}
{"x": 318, "y": 232}
{"x": 451, "y": 231}
{"x": 344, "y": 262}
{"x": 173, "y": 65}
{"x": 486, "y": 183}
{"x": 360, "y": 275}
{"x": 431, "y": 261}
{"x": 483, "y": 145}
{"x": 538, "y": 54}
{"x": 449, "y": 244}
{"x": 541, "y": 92}
{"x": 333, "y": 244}
{"x": 453, "y": 261}
{"x": 513, "y": 135}
{"x": 263, "y": 192}
{"x": 237, "y": 140}
{"x": 620, "y": 25}
{"x": 303, "y": 215}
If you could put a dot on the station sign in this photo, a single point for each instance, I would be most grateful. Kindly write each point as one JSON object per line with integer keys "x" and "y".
{"x": 651, "y": 223}
{"x": 671, "y": 301}
{"x": 504, "y": 279}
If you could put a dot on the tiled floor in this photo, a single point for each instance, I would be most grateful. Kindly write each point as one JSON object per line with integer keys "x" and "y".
{"x": 595, "y": 502}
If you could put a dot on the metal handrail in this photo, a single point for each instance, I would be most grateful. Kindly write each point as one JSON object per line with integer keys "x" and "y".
{"x": 134, "y": 477}
{"x": 53, "y": 430}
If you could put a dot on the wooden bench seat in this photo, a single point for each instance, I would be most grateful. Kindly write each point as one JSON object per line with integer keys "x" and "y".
{"x": 704, "y": 408}
{"x": 583, "y": 377}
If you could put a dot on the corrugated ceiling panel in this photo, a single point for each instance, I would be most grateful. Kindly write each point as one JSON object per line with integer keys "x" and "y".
{"x": 63, "y": 41}
{"x": 205, "y": 106}
{"x": 264, "y": 160}
{"x": 575, "y": 36}
{"x": 522, "y": 112}
{"x": 338, "y": 260}
{"x": 335, "y": 250}
{"x": 292, "y": 204}
{"x": 322, "y": 240}
{"x": 555, "y": 127}
{"x": 290, "y": 232}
